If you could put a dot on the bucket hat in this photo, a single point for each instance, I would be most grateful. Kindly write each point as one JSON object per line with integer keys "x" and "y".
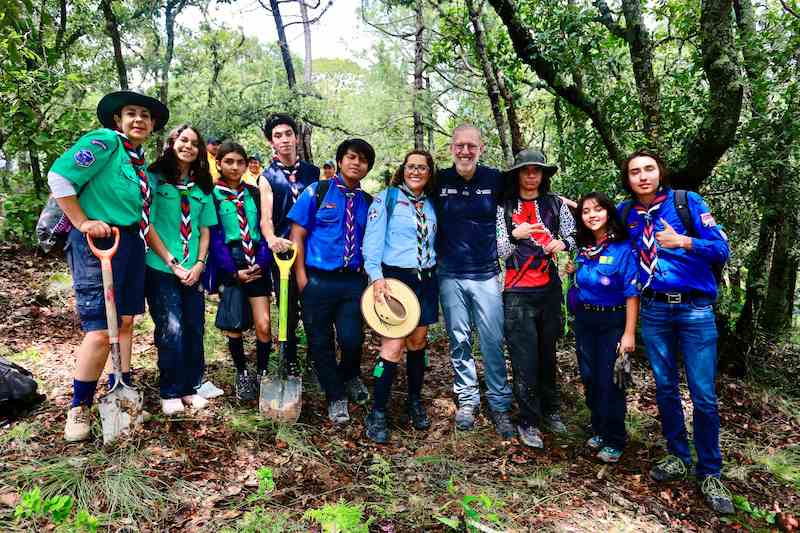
{"x": 113, "y": 102}
{"x": 533, "y": 157}
{"x": 398, "y": 317}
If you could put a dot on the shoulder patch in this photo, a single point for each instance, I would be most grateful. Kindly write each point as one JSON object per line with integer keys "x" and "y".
{"x": 101, "y": 144}
{"x": 377, "y": 200}
{"x": 84, "y": 158}
{"x": 707, "y": 219}
{"x": 373, "y": 214}
{"x": 606, "y": 259}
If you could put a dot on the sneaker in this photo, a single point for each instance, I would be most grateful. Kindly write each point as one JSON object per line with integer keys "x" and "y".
{"x": 553, "y": 423}
{"x": 595, "y": 443}
{"x": 79, "y": 422}
{"x": 609, "y": 454}
{"x": 245, "y": 386}
{"x": 337, "y": 412}
{"x": 716, "y": 495}
{"x": 417, "y": 414}
{"x": 357, "y": 391}
{"x": 503, "y": 425}
{"x": 171, "y": 406}
{"x": 530, "y": 436}
{"x": 376, "y": 426}
{"x": 208, "y": 390}
{"x": 194, "y": 401}
{"x": 465, "y": 417}
{"x": 670, "y": 468}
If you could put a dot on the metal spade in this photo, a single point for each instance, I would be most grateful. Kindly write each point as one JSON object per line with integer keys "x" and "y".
{"x": 281, "y": 396}
{"x": 121, "y": 407}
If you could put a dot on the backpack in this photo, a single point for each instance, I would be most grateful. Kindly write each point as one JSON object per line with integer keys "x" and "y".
{"x": 53, "y": 226}
{"x": 325, "y": 185}
{"x": 681, "y": 199}
{"x": 17, "y": 389}
{"x": 510, "y": 205}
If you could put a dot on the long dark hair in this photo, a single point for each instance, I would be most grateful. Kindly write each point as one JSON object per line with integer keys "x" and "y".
{"x": 167, "y": 163}
{"x": 400, "y": 173}
{"x": 616, "y": 229}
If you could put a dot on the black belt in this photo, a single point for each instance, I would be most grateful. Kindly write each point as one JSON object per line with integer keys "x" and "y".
{"x": 602, "y": 308}
{"x": 673, "y": 297}
{"x": 337, "y": 270}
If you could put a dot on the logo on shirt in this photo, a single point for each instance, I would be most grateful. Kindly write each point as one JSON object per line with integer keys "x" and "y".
{"x": 402, "y": 202}
{"x": 606, "y": 259}
{"x": 373, "y": 214}
{"x": 707, "y": 219}
{"x": 329, "y": 205}
{"x": 483, "y": 191}
{"x": 84, "y": 158}
{"x": 605, "y": 281}
{"x": 101, "y": 144}
{"x": 633, "y": 225}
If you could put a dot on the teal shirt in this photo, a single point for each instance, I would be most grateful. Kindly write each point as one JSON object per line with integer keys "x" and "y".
{"x": 230, "y": 220}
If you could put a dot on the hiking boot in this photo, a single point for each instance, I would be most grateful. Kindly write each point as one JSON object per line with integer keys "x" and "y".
{"x": 503, "y": 425}
{"x": 337, "y": 412}
{"x": 245, "y": 386}
{"x": 670, "y": 468}
{"x": 554, "y": 424}
{"x": 530, "y": 436}
{"x": 194, "y": 401}
{"x": 375, "y": 425}
{"x": 171, "y": 406}
{"x": 595, "y": 443}
{"x": 79, "y": 424}
{"x": 609, "y": 454}
{"x": 417, "y": 414}
{"x": 716, "y": 495}
{"x": 465, "y": 417}
{"x": 357, "y": 391}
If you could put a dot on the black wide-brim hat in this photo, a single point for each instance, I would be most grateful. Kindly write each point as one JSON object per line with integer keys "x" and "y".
{"x": 111, "y": 103}
{"x": 535, "y": 158}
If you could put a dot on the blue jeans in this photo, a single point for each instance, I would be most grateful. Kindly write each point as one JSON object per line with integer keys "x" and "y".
{"x": 178, "y": 313}
{"x": 482, "y": 303}
{"x": 334, "y": 299}
{"x": 688, "y": 328}
{"x": 596, "y": 335}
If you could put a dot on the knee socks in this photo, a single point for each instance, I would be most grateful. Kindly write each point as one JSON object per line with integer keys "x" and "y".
{"x": 83, "y": 392}
{"x": 236, "y": 347}
{"x": 263, "y": 350}
{"x": 415, "y": 369}
{"x": 384, "y": 375}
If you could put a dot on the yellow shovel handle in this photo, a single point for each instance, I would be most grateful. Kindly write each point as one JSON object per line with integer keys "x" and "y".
{"x": 284, "y": 267}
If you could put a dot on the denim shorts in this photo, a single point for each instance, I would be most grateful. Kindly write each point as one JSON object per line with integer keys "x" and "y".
{"x": 427, "y": 290}
{"x": 128, "y": 269}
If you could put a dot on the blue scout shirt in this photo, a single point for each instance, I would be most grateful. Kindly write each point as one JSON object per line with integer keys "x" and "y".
{"x": 679, "y": 270}
{"x": 326, "y": 227}
{"x": 466, "y": 211}
{"x": 608, "y": 278}
{"x": 282, "y": 199}
{"x": 395, "y": 243}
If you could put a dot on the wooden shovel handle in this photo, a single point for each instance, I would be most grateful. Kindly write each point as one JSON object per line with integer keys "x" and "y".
{"x": 107, "y": 253}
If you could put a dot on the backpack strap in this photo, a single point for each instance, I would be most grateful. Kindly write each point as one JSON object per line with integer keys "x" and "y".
{"x": 391, "y": 201}
{"x": 322, "y": 190}
{"x": 684, "y": 213}
{"x": 509, "y": 205}
{"x": 555, "y": 206}
{"x": 626, "y": 210}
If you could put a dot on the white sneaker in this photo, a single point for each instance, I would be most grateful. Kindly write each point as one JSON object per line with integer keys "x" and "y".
{"x": 79, "y": 424}
{"x": 208, "y": 390}
{"x": 172, "y": 406}
{"x": 195, "y": 401}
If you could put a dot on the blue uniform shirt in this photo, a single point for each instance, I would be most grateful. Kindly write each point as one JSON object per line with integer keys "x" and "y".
{"x": 467, "y": 215}
{"x": 608, "y": 278}
{"x": 679, "y": 270}
{"x": 282, "y": 199}
{"x": 326, "y": 226}
{"x": 395, "y": 243}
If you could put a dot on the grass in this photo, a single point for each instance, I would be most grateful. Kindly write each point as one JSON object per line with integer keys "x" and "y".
{"x": 29, "y": 355}
{"x": 19, "y": 435}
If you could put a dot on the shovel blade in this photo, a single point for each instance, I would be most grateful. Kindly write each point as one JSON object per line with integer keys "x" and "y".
{"x": 120, "y": 410}
{"x": 281, "y": 399}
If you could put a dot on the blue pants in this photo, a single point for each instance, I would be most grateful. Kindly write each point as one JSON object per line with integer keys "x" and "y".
{"x": 688, "y": 328}
{"x": 333, "y": 299}
{"x": 465, "y": 300}
{"x": 178, "y": 313}
{"x": 597, "y": 334}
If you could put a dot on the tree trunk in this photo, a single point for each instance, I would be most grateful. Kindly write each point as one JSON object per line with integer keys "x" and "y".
{"x": 640, "y": 46}
{"x": 562, "y": 161}
{"x": 170, "y": 12}
{"x": 283, "y": 43}
{"x": 36, "y": 169}
{"x": 305, "y": 129}
{"x": 517, "y": 142}
{"x": 112, "y": 29}
{"x": 419, "y": 46}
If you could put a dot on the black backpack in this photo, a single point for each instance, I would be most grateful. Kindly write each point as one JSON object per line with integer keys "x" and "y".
{"x": 681, "y": 199}
{"x": 325, "y": 185}
{"x": 17, "y": 389}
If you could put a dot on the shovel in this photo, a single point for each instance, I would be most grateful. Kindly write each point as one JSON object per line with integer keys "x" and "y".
{"x": 281, "y": 396}
{"x": 121, "y": 407}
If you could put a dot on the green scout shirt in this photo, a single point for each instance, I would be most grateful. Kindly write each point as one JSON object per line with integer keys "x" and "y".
{"x": 230, "y": 220}
{"x": 101, "y": 171}
{"x": 165, "y": 215}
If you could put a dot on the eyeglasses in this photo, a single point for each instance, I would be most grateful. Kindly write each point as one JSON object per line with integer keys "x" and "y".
{"x": 468, "y": 147}
{"x": 417, "y": 168}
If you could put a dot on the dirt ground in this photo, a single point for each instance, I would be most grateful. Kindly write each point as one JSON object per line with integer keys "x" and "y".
{"x": 227, "y": 469}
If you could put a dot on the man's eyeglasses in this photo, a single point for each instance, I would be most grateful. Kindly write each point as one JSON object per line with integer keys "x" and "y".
{"x": 466, "y": 147}
{"x": 417, "y": 168}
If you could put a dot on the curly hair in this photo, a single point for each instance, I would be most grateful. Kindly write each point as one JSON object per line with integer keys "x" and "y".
{"x": 400, "y": 174}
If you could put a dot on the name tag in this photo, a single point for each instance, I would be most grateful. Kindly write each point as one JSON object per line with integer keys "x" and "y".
{"x": 483, "y": 191}
{"x": 606, "y": 259}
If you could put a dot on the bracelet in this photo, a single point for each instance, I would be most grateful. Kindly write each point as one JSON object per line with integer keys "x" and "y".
{"x": 201, "y": 260}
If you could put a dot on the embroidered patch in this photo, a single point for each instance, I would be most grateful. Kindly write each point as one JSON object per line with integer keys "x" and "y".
{"x": 633, "y": 225}
{"x": 605, "y": 281}
{"x": 377, "y": 200}
{"x": 707, "y": 220}
{"x": 373, "y": 214}
{"x": 329, "y": 205}
{"x": 84, "y": 158}
{"x": 606, "y": 259}
{"x": 101, "y": 144}
{"x": 402, "y": 202}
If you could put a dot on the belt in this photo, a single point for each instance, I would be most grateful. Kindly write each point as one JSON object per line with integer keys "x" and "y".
{"x": 423, "y": 272}
{"x": 673, "y": 297}
{"x": 337, "y": 270}
{"x": 602, "y": 308}
{"x": 132, "y": 229}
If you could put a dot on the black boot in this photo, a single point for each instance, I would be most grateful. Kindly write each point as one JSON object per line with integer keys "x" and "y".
{"x": 376, "y": 426}
{"x": 417, "y": 414}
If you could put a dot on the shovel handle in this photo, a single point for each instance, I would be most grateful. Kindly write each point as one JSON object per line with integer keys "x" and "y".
{"x": 284, "y": 267}
{"x": 108, "y": 293}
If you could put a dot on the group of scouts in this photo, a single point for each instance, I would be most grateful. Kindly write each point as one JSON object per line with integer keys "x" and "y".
{"x": 430, "y": 239}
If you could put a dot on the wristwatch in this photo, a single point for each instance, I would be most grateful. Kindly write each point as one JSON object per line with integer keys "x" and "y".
{"x": 174, "y": 261}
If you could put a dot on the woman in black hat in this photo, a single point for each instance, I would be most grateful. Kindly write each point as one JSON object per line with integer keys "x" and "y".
{"x": 101, "y": 183}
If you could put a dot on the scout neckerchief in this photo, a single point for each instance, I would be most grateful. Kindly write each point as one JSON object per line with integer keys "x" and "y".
{"x": 648, "y": 255}
{"x": 237, "y": 196}
{"x": 349, "y": 219}
{"x": 423, "y": 246}
{"x": 290, "y": 171}
{"x": 137, "y": 158}
{"x": 186, "y": 216}
{"x": 592, "y": 251}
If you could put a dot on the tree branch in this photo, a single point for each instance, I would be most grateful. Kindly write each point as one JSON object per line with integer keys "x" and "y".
{"x": 789, "y": 10}
{"x": 607, "y": 19}
{"x": 313, "y": 20}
